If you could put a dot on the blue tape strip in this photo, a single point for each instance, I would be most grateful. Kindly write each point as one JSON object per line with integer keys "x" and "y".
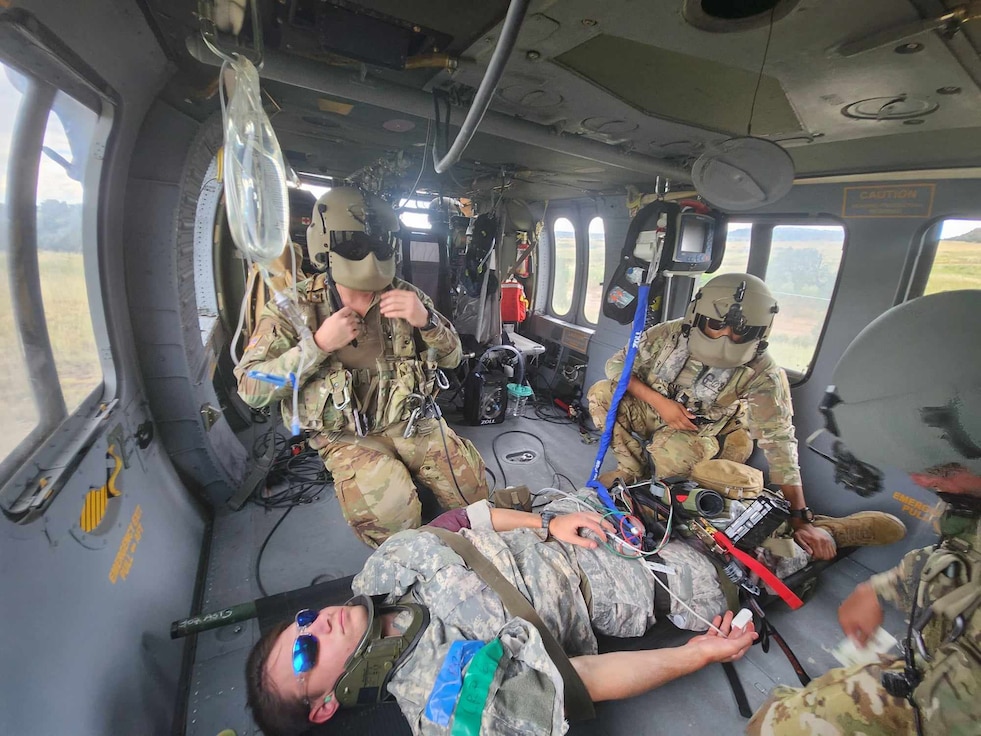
{"x": 611, "y": 417}
{"x": 449, "y": 681}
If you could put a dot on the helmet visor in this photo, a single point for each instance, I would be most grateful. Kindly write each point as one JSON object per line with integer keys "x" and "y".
{"x": 355, "y": 245}
{"x": 741, "y": 331}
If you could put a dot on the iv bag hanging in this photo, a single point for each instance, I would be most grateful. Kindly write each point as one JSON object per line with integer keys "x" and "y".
{"x": 255, "y": 177}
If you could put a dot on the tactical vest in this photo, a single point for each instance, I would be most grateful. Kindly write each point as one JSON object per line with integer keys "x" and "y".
{"x": 719, "y": 404}
{"x": 946, "y": 630}
{"x": 328, "y": 400}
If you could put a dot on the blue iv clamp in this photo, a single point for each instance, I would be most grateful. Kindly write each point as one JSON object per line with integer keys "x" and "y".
{"x": 277, "y": 381}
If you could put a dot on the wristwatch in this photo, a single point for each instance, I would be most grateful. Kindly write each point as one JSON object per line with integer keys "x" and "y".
{"x": 432, "y": 322}
{"x": 805, "y": 513}
{"x": 547, "y": 517}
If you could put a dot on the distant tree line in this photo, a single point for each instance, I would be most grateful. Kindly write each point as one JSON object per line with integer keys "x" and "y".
{"x": 59, "y": 226}
{"x": 974, "y": 236}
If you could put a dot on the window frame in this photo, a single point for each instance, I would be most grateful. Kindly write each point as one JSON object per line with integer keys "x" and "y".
{"x": 922, "y": 256}
{"x": 760, "y": 248}
{"x": 36, "y": 470}
{"x": 573, "y": 311}
{"x": 586, "y": 322}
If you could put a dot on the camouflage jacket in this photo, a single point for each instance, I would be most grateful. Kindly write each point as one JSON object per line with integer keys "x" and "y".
{"x": 760, "y": 387}
{"x": 944, "y": 582}
{"x": 527, "y": 695}
{"x": 408, "y": 364}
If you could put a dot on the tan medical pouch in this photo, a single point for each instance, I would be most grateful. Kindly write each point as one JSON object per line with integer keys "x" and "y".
{"x": 731, "y": 479}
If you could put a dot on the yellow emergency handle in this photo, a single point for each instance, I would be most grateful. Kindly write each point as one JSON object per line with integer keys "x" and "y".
{"x": 96, "y": 501}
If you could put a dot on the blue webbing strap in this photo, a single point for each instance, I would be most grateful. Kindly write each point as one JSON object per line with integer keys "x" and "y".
{"x": 628, "y": 362}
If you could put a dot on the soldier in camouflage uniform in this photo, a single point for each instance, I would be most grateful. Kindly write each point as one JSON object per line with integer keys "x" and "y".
{"x": 704, "y": 387}
{"x": 925, "y": 420}
{"x": 548, "y": 563}
{"x": 368, "y": 373}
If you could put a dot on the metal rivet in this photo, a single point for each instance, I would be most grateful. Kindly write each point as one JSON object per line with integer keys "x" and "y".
{"x": 533, "y": 56}
{"x": 909, "y": 48}
{"x": 589, "y": 22}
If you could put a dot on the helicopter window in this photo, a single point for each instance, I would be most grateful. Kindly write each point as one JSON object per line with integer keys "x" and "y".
{"x": 48, "y": 255}
{"x": 952, "y": 260}
{"x": 595, "y": 270}
{"x": 802, "y": 271}
{"x": 414, "y": 214}
{"x": 564, "y": 271}
{"x": 736, "y": 258}
{"x": 61, "y": 255}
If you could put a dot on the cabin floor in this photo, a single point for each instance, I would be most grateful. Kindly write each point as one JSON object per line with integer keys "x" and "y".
{"x": 314, "y": 544}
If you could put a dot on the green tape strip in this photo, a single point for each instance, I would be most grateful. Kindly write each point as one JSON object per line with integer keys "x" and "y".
{"x": 476, "y": 685}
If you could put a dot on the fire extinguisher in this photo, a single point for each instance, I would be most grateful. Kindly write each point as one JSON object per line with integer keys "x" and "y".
{"x": 524, "y": 269}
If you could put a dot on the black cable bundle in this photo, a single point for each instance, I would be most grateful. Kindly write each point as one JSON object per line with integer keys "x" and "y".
{"x": 297, "y": 466}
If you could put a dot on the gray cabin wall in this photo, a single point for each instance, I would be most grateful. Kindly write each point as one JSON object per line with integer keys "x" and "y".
{"x": 86, "y": 617}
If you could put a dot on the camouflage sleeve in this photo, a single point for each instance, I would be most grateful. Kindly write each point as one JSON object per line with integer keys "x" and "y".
{"x": 770, "y": 421}
{"x": 651, "y": 342}
{"x": 898, "y": 585}
{"x": 274, "y": 349}
{"x": 443, "y": 338}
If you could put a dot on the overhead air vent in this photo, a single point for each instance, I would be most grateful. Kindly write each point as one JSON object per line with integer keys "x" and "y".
{"x": 726, "y": 16}
{"x": 901, "y": 107}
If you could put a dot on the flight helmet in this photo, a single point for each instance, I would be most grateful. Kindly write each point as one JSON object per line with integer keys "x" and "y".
{"x": 736, "y": 300}
{"x": 906, "y": 393}
{"x": 353, "y": 234}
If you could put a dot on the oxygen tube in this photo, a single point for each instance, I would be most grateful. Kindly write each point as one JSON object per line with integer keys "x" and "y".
{"x": 256, "y": 199}
{"x": 611, "y": 416}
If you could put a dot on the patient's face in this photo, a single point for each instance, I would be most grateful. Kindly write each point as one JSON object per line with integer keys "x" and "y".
{"x": 338, "y": 630}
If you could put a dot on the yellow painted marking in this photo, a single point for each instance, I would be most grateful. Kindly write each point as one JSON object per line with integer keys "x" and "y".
{"x": 340, "y": 108}
{"x": 920, "y": 510}
{"x": 127, "y": 547}
{"x": 96, "y": 501}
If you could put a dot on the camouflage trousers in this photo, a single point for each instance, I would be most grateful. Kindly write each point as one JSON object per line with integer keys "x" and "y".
{"x": 842, "y": 702}
{"x": 373, "y": 476}
{"x": 673, "y": 451}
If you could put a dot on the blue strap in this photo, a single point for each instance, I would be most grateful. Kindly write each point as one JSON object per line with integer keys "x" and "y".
{"x": 449, "y": 681}
{"x": 611, "y": 416}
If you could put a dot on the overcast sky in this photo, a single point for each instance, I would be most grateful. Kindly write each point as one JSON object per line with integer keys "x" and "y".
{"x": 53, "y": 183}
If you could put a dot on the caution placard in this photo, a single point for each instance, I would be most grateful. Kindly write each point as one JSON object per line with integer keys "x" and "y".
{"x": 889, "y": 200}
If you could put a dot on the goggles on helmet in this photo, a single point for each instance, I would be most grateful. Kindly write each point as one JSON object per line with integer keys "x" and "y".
{"x": 739, "y": 330}
{"x": 355, "y": 245}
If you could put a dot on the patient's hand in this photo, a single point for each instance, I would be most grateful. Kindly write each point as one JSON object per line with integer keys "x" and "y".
{"x": 569, "y": 528}
{"x": 728, "y": 646}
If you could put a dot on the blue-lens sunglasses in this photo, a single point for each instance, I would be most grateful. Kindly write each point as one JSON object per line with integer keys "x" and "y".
{"x": 305, "y": 646}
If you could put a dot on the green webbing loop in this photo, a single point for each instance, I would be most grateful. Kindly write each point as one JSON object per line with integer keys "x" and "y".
{"x": 476, "y": 686}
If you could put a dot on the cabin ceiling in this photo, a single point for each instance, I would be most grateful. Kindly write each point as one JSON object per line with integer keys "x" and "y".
{"x": 605, "y": 80}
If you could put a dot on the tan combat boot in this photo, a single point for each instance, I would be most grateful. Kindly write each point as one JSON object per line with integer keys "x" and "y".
{"x": 863, "y": 529}
{"x": 610, "y": 476}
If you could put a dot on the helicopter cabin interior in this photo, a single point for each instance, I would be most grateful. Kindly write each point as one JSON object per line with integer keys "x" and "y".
{"x": 546, "y": 159}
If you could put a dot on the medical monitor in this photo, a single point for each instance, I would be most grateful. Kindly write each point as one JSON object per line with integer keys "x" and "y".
{"x": 693, "y": 245}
